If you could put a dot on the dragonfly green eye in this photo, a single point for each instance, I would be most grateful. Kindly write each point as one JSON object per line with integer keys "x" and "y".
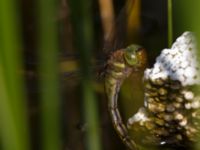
{"x": 130, "y": 54}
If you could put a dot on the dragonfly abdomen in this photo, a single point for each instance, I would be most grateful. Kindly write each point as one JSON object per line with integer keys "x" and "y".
{"x": 116, "y": 72}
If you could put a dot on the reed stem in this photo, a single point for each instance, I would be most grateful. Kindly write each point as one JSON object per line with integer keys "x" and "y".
{"x": 170, "y": 23}
{"x": 49, "y": 80}
{"x": 83, "y": 32}
{"x": 13, "y": 120}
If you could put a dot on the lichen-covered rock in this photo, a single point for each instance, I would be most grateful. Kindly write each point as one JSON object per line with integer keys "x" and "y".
{"x": 171, "y": 106}
{"x": 178, "y": 63}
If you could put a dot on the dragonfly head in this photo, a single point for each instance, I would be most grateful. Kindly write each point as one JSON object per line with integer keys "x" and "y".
{"x": 135, "y": 56}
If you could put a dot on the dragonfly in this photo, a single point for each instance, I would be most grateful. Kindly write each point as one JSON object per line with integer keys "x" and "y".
{"x": 120, "y": 65}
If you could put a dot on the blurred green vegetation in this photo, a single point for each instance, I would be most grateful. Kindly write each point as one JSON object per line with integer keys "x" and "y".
{"x": 81, "y": 16}
{"x": 50, "y": 100}
{"x": 186, "y": 16}
{"x": 52, "y": 29}
{"x": 13, "y": 111}
{"x": 170, "y": 22}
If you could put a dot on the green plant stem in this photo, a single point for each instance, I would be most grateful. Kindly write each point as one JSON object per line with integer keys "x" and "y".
{"x": 49, "y": 81}
{"x": 170, "y": 23}
{"x": 13, "y": 125}
{"x": 83, "y": 32}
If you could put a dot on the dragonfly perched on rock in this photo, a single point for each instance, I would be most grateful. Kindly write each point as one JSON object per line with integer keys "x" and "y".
{"x": 170, "y": 115}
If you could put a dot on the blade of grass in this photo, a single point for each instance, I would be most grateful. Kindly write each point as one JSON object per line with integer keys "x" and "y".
{"x": 48, "y": 52}
{"x": 170, "y": 23}
{"x": 83, "y": 32}
{"x": 13, "y": 125}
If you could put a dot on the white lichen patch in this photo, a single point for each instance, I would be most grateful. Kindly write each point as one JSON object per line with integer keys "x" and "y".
{"x": 188, "y": 95}
{"x": 140, "y": 116}
{"x": 178, "y": 63}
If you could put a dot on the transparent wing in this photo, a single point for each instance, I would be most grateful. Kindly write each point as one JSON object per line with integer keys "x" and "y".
{"x": 125, "y": 28}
